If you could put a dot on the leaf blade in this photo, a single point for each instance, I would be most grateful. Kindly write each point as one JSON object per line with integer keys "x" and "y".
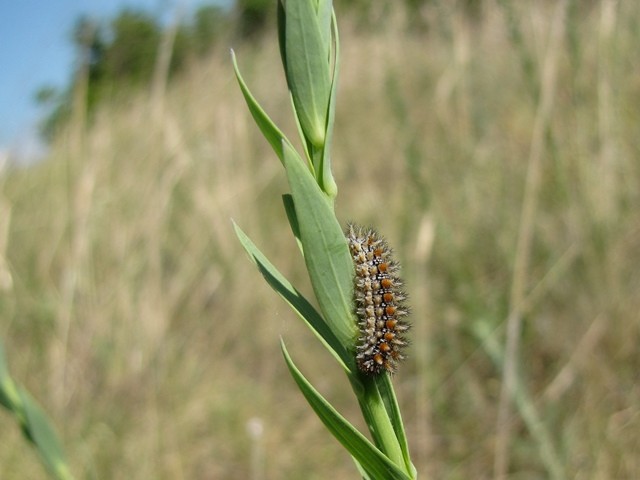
{"x": 40, "y": 431}
{"x": 327, "y": 255}
{"x": 269, "y": 129}
{"x": 372, "y": 460}
{"x": 307, "y": 67}
{"x": 296, "y": 300}
{"x": 393, "y": 410}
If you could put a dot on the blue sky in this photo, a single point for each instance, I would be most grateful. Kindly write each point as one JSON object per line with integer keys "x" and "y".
{"x": 35, "y": 51}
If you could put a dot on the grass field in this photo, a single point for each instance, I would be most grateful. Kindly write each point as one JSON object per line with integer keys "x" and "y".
{"x": 500, "y": 155}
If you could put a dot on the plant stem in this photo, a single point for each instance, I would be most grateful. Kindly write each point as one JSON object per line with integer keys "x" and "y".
{"x": 377, "y": 418}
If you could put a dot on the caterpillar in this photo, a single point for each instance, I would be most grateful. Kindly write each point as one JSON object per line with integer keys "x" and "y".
{"x": 379, "y": 302}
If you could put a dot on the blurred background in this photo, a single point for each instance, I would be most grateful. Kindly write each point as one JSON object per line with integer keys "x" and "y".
{"x": 496, "y": 144}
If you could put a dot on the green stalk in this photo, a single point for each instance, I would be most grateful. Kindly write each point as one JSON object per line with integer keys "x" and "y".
{"x": 310, "y": 53}
{"x": 377, "y": 417}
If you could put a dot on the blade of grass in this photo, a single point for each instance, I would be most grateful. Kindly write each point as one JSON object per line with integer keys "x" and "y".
{"x": 290, "y": 210}
{"x": 40, "y": 431}
{"x": 271, "y": 132}
{"x": 393, "y": 410}
{"x": 307, "y": 67}
{"x": 33, "y": 422}
{"x": 372, "y": 460}
{"x": 525, "y": 404}
{"x": 326, "y": 252}
{"x": 297, "y": 302}
{"x": 525, "y": 240}
{"x": 377, "y": 417}
{"x": 325, "y": 176}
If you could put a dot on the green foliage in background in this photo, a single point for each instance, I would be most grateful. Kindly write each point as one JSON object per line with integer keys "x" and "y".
{"x": 253, "y": 16}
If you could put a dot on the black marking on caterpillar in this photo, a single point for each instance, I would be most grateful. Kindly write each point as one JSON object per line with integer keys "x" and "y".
{"x": 379, "y": 302}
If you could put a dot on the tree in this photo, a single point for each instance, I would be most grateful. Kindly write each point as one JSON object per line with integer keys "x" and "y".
{"x": 253, "y": 16}
{"x": 131, "y": 53}
{"x": 208, "y": 25}
{"x": 119, "y": 54}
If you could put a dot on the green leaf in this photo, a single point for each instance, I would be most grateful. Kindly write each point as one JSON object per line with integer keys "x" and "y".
{"x": 361, "y": 471}
{"x": 281, "y": 17}
{"x": 393, "y": 411}
{"x": 325, "y": 11}
{"x": 372, "y": 460}
{"x": 325, "y": 176}
{"x": 325, "y": 248}
{"x": 307, "y": 67}
{"x": 271, "y": 132}
{"x": 290, "y": 210}
{"x": 41, "y": 433}
{"x": 9, "y": 396}
{"x": 376, "y": 415}
{"x": 297, "y": 302}
{"x": 34, "y": 423}
{"x": 308, "y": 148}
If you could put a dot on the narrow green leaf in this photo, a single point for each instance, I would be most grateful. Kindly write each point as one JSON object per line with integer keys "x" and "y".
{"x": 281, "y": 17}
{"x": 290, "y": 210}
{"x": 33, "y": 422}
{"x": 41, "y": 433}
{"x": 298, "y": 303}
{"x": 361, "y": 471}
{"x": 325, "y": 10}
{"x": 327, "y": 182}
{"x": 326, "y": 252}
{"x": 269, "y": 129}
{"x": 308, "y": 147}
{"x": 9, "y": 396}
{"x": 393, "y": 411}
{"x": 377, "y": 417}
{"x": 307, "y": 67}
{"x": 372, "y": 460}
{"x": 549, "y": 452}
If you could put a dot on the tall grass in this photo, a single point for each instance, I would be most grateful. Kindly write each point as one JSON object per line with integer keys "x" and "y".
{"x": 134, "y": 318}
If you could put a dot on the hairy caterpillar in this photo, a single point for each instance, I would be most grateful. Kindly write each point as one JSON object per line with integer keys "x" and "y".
{"x": 379, "y": 302}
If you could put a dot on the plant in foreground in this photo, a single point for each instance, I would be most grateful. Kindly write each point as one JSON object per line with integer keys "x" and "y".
{"x": 363, "y": 330}
{"x": 34, "y": 423}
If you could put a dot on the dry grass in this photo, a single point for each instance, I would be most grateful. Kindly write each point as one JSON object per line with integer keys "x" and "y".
{"x": 134, "y": 317}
